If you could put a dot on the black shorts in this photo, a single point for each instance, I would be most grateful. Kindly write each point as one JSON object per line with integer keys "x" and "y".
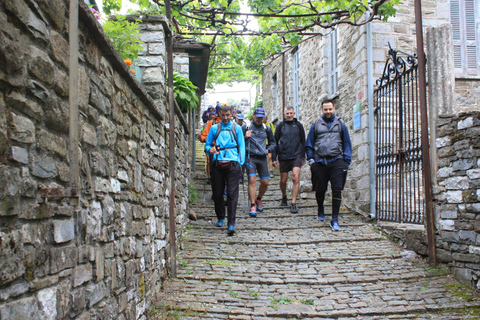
{"x": 259, "y": 164}
{"x": 288, "y": 165}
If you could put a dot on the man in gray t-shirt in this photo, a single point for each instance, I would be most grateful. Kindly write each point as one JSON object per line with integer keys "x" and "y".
{"x": 258, "y": 141}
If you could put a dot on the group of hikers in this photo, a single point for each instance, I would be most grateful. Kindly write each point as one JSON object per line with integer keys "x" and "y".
{"x": 234, "y": 148}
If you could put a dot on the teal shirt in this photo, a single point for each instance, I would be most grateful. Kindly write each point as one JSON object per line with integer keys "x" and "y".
{"x": 226, "y": 140}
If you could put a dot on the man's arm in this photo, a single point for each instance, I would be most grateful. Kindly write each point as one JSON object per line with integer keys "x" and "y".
{"x": 302, "y": 136}
{"x": 241, "y": 145}
{"x": 347, "y": 144}
{"x": 272, "y": 146}
{"x": 310, "y": 143}
{"x": 203, "y": 137}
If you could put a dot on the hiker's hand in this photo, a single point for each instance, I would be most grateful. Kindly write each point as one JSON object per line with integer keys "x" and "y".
{"x": 213, "y": 150}
{"x": 274, "y": 163}
{"x": 248, "y": 134}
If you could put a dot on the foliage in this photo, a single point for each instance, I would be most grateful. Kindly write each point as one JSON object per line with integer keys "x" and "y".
{"x": 125, "y": 36}
{"x": 110, "y": 6}
{"x": 184, "y": 92}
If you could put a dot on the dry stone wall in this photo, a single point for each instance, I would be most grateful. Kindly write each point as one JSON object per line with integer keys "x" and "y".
{"x": 457, "y": 196}
{"x": 105, "y": 257}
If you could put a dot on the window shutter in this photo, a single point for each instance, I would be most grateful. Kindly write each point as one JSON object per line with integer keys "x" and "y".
{"x": 456, "y": 27}
{"x": 470, "y": 37}
{"x": 333, "y": 65}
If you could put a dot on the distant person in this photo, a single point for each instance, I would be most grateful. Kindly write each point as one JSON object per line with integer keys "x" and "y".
{"x": 290, "y": 139}
{"x": 206, "y": 113}
{"x": 256, "y": 136}
{"x": 226, "y": 144}
{"x": 240, "y": 119}
{"x": 329, "y": 153}
{"x": 269, "y": 156}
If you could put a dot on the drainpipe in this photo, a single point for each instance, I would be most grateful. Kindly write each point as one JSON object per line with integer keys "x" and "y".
{"x": 171, "y": 138}
{"x": 371, "y": 120}
{"x": 283, "y": 82}
{"x": 73, "y": 96}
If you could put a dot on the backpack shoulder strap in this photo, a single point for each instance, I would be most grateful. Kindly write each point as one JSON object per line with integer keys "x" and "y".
{"x": 219, "y": 128}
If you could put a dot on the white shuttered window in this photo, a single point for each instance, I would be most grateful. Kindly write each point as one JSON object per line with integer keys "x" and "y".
{"x": 465, "y": 23}
{"x": 332, "y": 64}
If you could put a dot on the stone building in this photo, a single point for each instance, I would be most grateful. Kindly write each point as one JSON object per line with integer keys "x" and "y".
{"x": 99, "y": 249}
{"x": 338, "y": 65}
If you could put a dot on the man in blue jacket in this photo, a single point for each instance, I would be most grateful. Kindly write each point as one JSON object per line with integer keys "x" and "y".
{"x": 226, "y": 143}
{"x": 329, "y": 153}
{"x": 290, "y": 138}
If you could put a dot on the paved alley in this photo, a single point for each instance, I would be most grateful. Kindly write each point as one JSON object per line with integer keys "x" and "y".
{"x": 281, "y": 266}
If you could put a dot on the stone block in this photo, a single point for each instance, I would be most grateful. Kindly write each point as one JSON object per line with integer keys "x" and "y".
{"x": 34, "y": 211}
{"x": 99, "y": 101}
{"x": 454, "y": 196}
{"x": 447, "y": 225}
{"x": 95, "y": 293}
{"x": 156, "y": 48}
{"x": 14, "y": 290}
{"x": 465, "y": 123}
{"x": 63, "y": 230}
{"x": 11, "y": 256}
{"x": 464, "y": 275}
{"x": 61, "y": 83}
{"x": 40, "y": 66}
{"x": 18, "y": 101}
{"x": 57, "y": 115}
{"x": 443, "y": 142}
{"x": 473, "y": 174}
{"x": 22, "y": 129}
{"x": 45, "y": 168}
{"x": 51, "y": 142}
{"x": 79, "y": 301}
{"x": 457, "y": 183}
{"x": 62, "y": 258}
{"x": 449, "y": 236}
{"x": 444, "y": 172}
{"x": 106, "y": 133}
{"x": 99, "y": 264}
{"x": 35, "y": 26}
{"x": 468, "y": 237}
{"x": 151, "y": 61}
{"x": 463, "y": 164}
{"x": 152, "y": 36}
{"x": 89, "y": 135}
{"x": 448, "y": 214}
{"x": 19, "y": 155}
{"x": 47, "y": 302}
{"x": 94, "y": 219}
{"x": 82, "y": 273}
{"x": 153, "y": 75}
{"x": 9, "y": 190}
{"x": 26, "y": 308}
{"x": 60, "y": 48}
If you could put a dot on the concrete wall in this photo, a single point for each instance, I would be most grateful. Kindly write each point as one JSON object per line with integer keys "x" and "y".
{"x": 105, "y": 257}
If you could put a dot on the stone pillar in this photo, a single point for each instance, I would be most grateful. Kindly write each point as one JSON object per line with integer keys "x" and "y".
{"x": 441, "y": 82}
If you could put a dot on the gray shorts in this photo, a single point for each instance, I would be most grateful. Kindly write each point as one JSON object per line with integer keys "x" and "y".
{"x": 257, "y": 163}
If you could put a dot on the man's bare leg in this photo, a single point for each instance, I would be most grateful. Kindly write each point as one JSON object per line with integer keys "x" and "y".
{"x": 296, "y": 183}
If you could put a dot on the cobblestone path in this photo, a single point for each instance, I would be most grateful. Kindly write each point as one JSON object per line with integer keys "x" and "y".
{"x": 281, "y": 265}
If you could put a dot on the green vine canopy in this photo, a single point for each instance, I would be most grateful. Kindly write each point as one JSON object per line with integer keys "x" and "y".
{"x": 240, "y": 46}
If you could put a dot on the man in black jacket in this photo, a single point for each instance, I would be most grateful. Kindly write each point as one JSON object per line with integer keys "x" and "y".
{"x": 290, "y": 138}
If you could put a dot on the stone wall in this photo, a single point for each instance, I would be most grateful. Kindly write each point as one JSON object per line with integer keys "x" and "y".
{"x": 105, "y": 257}
{"x": 457, "y": 195}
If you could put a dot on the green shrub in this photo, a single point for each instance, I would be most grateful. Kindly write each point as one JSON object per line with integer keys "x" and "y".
{"x": 125, "y": 36}
{"x": 185, "y": 93}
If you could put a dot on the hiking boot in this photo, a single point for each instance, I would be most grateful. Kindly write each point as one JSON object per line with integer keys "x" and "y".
{"x": 231, "y": 230}
{"x": 220, "y": 222}
{"x": 209, "y": 180}
{"x": 259, "y": 205}
{"x": 284, "y": 202}
{"x": 271, "y": 174}
{"x": 321, "y": 216}
{"x": 334, "y": 225}
{"x": 241, "y": 179}
{"x": 253, "y": 211}
{"x": 294, "y": 208}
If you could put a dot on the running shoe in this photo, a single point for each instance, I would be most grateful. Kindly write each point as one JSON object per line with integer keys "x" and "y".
{"x": 259, "y": 205}
{"x": 220, "y": 222}
{"x": 284, "y": 202}
{"x": 321, "y": 216}
{"x": 231, "y": 230}
{"x": 253, "y": 211}
{"x": 334, "y": 225}
{"x": 294, "y": 208}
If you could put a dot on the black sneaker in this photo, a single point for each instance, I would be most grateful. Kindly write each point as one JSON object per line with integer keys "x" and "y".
{"x": 294, "y": 208}
{"x": 284, "y": 202}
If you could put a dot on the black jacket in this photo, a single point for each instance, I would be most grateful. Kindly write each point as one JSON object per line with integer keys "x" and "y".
{"x": 290, "y": 138}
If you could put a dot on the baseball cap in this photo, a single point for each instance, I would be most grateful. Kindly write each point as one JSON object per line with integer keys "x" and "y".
{"x": 259, "y": 113}
{"x": 210, "y": 107}
{"x": 240, "y": 116}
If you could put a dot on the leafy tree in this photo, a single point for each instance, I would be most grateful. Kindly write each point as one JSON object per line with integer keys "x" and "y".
{"x": 125, "y": 36}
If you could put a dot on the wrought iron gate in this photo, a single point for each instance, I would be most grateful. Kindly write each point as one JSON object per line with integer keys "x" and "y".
{"x": 399, "y": 180}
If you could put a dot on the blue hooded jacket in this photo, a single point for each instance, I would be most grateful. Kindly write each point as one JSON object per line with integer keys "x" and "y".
{"x": 226, "y": 140}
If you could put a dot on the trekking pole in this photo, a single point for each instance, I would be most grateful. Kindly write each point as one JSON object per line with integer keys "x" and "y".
{"x": 205, "y": 178}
